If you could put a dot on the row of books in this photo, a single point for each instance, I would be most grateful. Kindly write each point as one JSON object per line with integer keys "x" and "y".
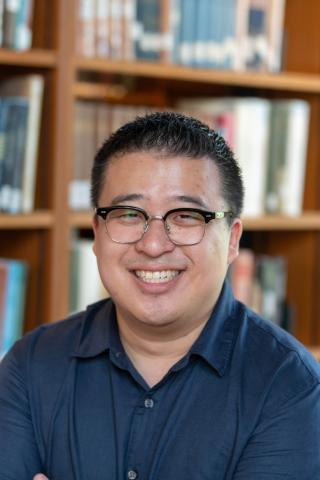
{"x": 269, "y": 139}
{"x": 224, "y": 34}
{"x": 16, "y": 18}
{"x": 260, "y": 282}
{"x": 13, "y": 285}
{"x": 85, "y": 282}
{"x": 20, "y": 122}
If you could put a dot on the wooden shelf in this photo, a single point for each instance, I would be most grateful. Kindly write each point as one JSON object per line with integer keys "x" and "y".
{"x": 28, "y": 58}
{"x": 41, "y": 219}
{"x": 297, "y": 82}
{"x": 309, "y": 221}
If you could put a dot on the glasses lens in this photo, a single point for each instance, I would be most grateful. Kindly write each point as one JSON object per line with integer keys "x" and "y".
{"x": 185, "y": 227}
{"x": 125, "y": 225}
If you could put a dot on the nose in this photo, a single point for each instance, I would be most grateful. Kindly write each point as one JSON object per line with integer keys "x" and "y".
{"x": 155, "y": 240}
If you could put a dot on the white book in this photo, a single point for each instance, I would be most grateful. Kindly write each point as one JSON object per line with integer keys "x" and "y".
{"x": 252, "y": 123}
{"x": 86, "y": 284}
{"x": 292, "y": 189}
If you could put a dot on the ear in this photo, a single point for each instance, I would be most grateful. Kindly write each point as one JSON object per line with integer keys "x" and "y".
{"x": 234, "y": 240}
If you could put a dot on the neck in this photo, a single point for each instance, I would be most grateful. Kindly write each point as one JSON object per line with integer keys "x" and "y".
{"x": 153, "y": 356}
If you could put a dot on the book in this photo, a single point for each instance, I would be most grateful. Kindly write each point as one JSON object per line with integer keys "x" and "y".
{"x": 116, "y": 25}
{"x": 24, "y": 24}
{"x": 272, "y": 280}
{"x": 287, "y": 156}
{"x": 85, "y": 283}
{"x": 102, "y": 33}
{"x": 3, "y": 286}
{"x": 260, "y": 33}
{"x": 86, "y": 28}
{"x": 15, "y": 110}
{"x": 14, "y": 305}
{"x": 187, "y": 35}
{"x": 30, "y": 88}
{"x": 241, "y": 276}
{"x": 9, "y": 21}
{"x": 1, "y": 21}
{"x": 85, "y": 146}
{"x": 148, "y": 44}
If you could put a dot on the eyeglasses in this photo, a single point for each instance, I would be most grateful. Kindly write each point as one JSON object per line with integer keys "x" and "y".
{"x": 184, "y": 226}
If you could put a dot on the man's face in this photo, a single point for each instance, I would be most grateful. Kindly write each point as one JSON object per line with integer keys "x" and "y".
{"x": 193, "y": 274}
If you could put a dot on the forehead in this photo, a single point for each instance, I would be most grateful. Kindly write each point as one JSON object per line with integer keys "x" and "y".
{"x": 156, "y": 176}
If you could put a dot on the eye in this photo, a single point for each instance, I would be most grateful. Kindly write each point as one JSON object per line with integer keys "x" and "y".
{"x": 126, "y": 216}
{"x": 186, "y": 218}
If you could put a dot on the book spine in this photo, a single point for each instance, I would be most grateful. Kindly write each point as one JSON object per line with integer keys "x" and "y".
{"x": 10, "y": 14}
{"x": 187, "y": 32}
{"x": 102, "y": 28}
{"x": 35, "y": 99}
{"x": 116, "y": 35}
{"x": 14, "y": 303}
{"x": 86, "y": 29}
{"x": 23, "y": 37}
{"x": 1, "y": 21}
{"x": 21, "y": 116}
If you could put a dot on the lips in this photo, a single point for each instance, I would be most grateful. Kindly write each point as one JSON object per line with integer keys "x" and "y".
{"x": 159, "y": 276}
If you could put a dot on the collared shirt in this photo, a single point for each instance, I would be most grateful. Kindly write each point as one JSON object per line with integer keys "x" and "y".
{"x": 243, "y": 404}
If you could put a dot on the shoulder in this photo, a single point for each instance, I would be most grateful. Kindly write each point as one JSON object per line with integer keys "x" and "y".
{"x": 272, "y": 357}
{"x": 51, "y": 346}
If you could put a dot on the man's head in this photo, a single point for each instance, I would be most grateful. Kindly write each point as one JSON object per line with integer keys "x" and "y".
{"x": 159, "y": 163}
{"x": 172, "y": 134}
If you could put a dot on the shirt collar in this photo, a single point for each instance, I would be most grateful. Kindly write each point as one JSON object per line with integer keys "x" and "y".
{"x": 97, "y": 325}
{"x": 216, "y": 341}
{"x": 99, "y": 332}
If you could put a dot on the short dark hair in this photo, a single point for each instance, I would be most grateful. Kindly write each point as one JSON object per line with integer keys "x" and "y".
{"x": 172, "y": 134}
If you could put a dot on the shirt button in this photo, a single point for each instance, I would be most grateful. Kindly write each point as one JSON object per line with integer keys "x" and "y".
{"x": 148, "y": 403}
{"x": 132, "y": 475}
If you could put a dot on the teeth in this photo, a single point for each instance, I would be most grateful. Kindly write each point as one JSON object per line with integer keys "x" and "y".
{"x": 157, "y": 277}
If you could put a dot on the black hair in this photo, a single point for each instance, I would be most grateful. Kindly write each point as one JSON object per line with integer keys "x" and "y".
{"x": 172, "y": 134}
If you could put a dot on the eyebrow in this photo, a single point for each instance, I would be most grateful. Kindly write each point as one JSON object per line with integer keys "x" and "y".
{"x": 126, "y": 198}
{"x": 190, "y": 199}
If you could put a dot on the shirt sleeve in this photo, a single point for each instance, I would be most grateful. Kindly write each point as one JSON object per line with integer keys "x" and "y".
{"x": 19, "y": 456}
{"x": 286, "y": 441}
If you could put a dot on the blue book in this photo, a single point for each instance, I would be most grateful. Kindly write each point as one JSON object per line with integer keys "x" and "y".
{"x": 13, "y": 150}
{"x": 14, "y": 305}
{"x": 202, "y": 33}
{"x": 228, "y": 34}
{"x": 148, "y": 18}
{"x": 187, "y": 35}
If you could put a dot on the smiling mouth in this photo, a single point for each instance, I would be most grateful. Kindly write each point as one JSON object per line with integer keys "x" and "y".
{"x": 161, "y": 276}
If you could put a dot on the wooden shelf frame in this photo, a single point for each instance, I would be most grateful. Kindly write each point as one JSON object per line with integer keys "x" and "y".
{"x": 287, "y": 81}
{"x": 40, "y": 219}
{"x": 36, "y": 58}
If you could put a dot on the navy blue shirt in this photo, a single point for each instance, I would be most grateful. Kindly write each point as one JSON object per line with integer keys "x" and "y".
{"x": 243, "y": 404}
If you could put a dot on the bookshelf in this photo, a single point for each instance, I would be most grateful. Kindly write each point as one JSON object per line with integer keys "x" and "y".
{"x": 42, "y": 237}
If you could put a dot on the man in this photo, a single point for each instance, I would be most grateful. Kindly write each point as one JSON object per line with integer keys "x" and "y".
{"x": 171, "y": 379}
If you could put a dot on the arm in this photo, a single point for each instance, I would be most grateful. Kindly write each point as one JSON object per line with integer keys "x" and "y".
{"x": 19, "y": 456}
{"x": 286, "y": 441}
